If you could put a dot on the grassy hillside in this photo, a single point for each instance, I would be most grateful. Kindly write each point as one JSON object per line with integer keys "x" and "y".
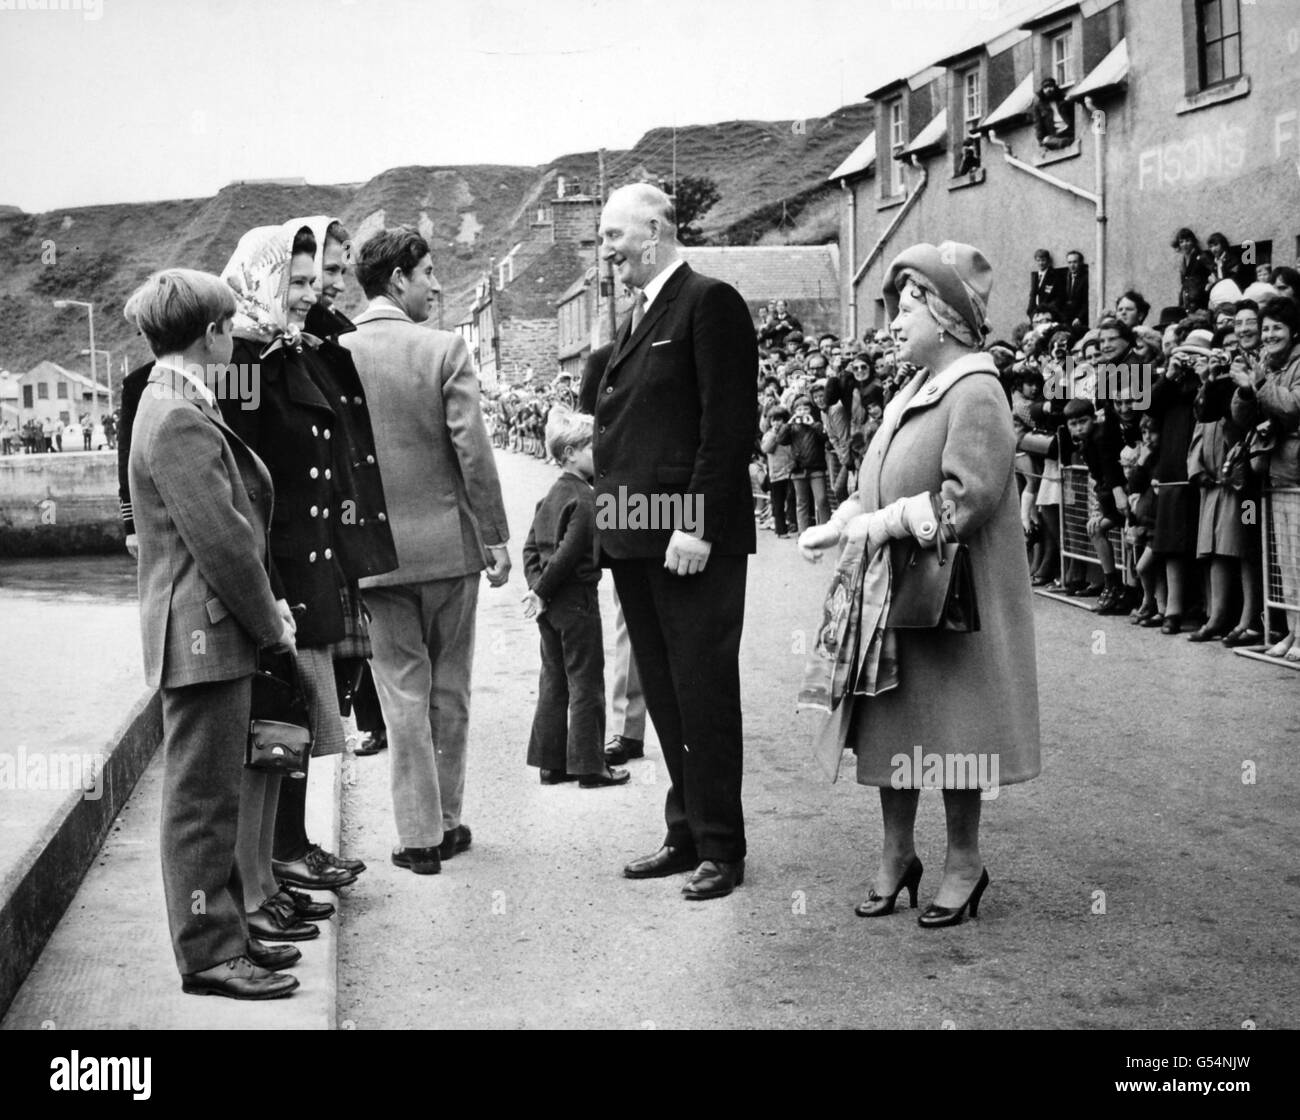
{"x": 771, "y": 175}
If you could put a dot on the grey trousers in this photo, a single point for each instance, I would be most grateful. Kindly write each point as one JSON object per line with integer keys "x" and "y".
{"x": 205, "y": 730}
{"x": 628, "y": 701}
{"x": 423, "y": 639}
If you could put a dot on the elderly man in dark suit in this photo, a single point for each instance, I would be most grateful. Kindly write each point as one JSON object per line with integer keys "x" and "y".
{"x": 202, "y": 503}
{"x": 676, "y": 415}
{"x": 1074, "y": 293}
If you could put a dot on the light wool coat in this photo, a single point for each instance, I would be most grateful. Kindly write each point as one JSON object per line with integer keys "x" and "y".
{"x": 957, "y": 693}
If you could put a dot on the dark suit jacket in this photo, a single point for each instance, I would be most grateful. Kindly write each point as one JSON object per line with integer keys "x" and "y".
{"x": 1074, "y": 304}
{"x": 202, "y": 502}
{"x": 675, "y": 413}
{"x": 1047, "y": 294}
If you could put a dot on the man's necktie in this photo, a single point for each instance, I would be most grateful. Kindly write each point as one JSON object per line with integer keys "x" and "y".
{"x": 638, "y": 312}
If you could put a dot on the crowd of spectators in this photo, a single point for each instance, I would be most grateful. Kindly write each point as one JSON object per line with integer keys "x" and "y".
{"x": 1178, "y": 426}
{"x": 1155, "y": 441}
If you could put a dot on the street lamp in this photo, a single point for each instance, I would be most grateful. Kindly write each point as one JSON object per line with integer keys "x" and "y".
{"x": 108, "y": 374}
{"x": 90, "y": 313}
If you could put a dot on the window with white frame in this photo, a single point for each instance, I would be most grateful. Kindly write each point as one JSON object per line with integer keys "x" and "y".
{"x": 1060, "y": 58}
{"x": 972, "y": 105}
{"x": 895, "y": 109}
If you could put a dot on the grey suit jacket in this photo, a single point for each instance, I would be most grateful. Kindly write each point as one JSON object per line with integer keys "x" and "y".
{"x": 439, "y": 470}
{"x": 202, "y": 502}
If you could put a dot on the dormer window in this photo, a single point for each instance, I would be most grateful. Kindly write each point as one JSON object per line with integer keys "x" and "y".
{"x": 1060, "y": 57}
{"x": 894, "y": 182}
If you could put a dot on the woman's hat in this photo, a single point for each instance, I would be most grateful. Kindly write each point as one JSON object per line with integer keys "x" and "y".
{"x": 1259, "y": 292}
{"x": 959, "y": 273}
{"x": 1225, "y": 291}
{"x": 1199, "y": 343}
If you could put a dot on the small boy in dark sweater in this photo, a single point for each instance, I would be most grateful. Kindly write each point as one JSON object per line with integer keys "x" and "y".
{"x": 568, "y": 737}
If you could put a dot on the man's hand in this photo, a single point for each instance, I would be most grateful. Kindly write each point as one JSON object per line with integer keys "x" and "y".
{"x": 686, "y": 555}
{"x": 498, "y": 570}
{"x": 534, "y": 605}
{"x": 133, "y": 546}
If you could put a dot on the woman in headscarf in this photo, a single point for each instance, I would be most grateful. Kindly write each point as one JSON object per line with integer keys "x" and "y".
{"x": 289, "y": 423}
{"x": 938, "y": 708}
{"x": 363, "y": 538}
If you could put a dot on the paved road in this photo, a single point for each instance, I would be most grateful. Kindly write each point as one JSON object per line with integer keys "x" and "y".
{"x": 1138, "y": 883}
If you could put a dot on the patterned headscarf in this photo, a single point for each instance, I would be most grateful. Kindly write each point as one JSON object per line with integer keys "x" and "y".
{"x": 258, "y": 272}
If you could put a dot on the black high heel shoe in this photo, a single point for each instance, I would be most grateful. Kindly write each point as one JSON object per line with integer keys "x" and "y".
{"x": 878, "y": 905}
{"x": 935, "y": 916}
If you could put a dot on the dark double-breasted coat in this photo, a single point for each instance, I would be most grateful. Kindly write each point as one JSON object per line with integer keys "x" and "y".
{"x": 363, "y": 533}
{"x": 291, "y": 426}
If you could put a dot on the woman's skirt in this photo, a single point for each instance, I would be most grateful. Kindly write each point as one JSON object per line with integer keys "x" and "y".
{"x": 316, "y": 674}
{"x": 1176, "y": 520}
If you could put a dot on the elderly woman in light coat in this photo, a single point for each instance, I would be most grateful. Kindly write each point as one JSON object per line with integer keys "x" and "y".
{"x": 957, "y": 711}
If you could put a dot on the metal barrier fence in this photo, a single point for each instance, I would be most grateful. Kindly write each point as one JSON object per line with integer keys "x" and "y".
{"x": 1281, "y": 524}
{"x": 1078, "y": 504}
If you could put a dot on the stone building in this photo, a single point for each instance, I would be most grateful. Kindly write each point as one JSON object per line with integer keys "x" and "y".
{"x": 1184, "y": 113}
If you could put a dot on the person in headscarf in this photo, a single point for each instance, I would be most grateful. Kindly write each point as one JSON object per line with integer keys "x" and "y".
{"x": 943, "y": 459}
{"x": 362, "y": 538}
{"x": 273, "y": 404}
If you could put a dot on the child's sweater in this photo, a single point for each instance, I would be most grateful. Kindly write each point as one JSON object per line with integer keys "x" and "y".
{"x": 561, "y": 545}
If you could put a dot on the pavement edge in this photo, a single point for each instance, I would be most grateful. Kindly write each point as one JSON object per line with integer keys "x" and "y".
{"x": 35, "y": 895}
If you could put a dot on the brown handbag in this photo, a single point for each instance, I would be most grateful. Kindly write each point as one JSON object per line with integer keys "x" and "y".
{"x": 933, "y": 588}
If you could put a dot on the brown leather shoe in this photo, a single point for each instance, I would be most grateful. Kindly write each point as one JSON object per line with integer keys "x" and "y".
{"x": 238, "y": 978}
{"x": 666, "y": 861}
{"x": 272, "y": 957}
{"x": 714, "y": 879}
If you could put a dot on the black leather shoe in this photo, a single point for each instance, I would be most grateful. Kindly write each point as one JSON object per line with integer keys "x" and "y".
{"x": 878, "y": 905}
{"x": 666, "y": 861}
{"x": 312, "y": 872}
{"x": 272, "y": 957}
{"x": 373, "y": 743}
{"x": 238, "y": 978}
{"x": 304, "y": 906}
{"x": 612, "y": 777}
{"x": 714, "y": 879}
{"x": 423, "y": 861}
{"x": 457, "y": 840}
{"x": 556, "y": 777}
{"x": 274, "y": 922}
{"x": 621, "y": 748}
{"x": 345, "y": 863}
{"x": 932, "y": 917}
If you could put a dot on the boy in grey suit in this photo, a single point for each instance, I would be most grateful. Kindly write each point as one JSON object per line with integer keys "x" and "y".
{"x": 202, "y": 503}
